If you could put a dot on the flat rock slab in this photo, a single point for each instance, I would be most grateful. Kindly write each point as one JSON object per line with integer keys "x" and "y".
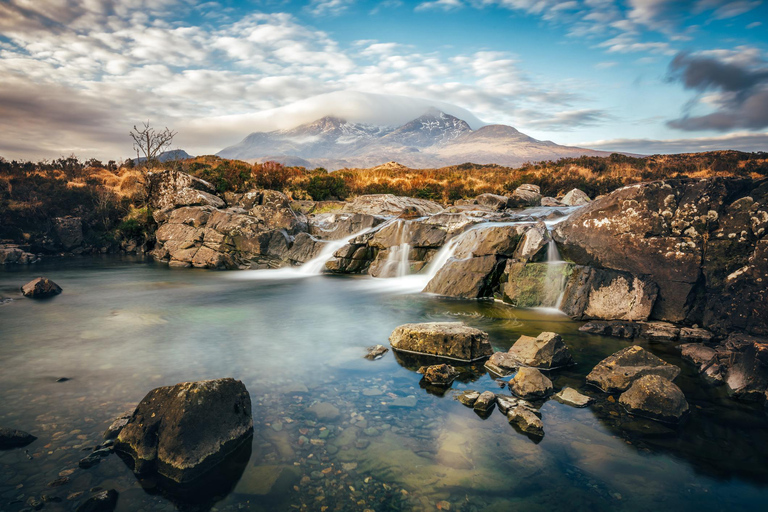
{"x": 40, "y": 288}
{"x": 570, "y": 396}
{"x": 12, "y": 438}
{"x": 185, "y": 430}
{"x": 656, "y": 398}
{"x": 451, "y": 340}
{"x": 617, "y": 372}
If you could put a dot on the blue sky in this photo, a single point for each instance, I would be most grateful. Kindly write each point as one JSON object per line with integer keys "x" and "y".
{"x": 641, "y": 75}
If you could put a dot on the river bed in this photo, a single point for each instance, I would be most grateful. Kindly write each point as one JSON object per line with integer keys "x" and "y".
{"x": 333, "y": 429}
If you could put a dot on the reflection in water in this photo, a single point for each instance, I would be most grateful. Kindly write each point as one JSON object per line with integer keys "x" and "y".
{"x": 333, "y": 429}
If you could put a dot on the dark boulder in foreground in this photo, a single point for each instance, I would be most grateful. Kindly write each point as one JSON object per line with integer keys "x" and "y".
{"x": 452, "y": 340}
{"x": 11, "y": 438}
{"x": 183, "y": 431}
{"x": 617, "y": 372}
{"x": 655, "y": 397}
{"x": 40, "y": 288}
{"x": 104, "y": 501}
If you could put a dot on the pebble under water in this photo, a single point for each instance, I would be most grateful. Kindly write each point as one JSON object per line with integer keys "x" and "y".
{"x": 333, "y": 430}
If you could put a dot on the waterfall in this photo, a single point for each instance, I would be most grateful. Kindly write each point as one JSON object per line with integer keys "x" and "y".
{"x": 555, "y": 276}
{"x": 404, "y": 266}
{"x": 316, "y": 265}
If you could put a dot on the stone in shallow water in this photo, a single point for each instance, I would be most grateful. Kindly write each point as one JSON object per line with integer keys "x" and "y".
{"x": 263, "y": 480}
{"x": 11, "y": 438}
{"x": 502, "y": 364}
{"x": 530, "y": 384}
{"x": 376, "y": 352}
{"x": 506, "y": 403}
{"x": 485, "y": 402}
{"x": 452, "y": 340}
{"x": 526, "y": 421}
{"x": 439, "y": 374}
{"x": 324, "y": 411}
{"x": 570, "y": 396}
{"x": 547, "y": 350}
{"x": 113, "y": 430}
{"x": 404, "y": 401}
{"x": 104, "y": 501}
{"x": 468, "y": 397}
{"x": 183, "y": 431}
{"x": 617, "y": 372}
{"x": 40, "y": 288}
{"x": 655, "y": 397}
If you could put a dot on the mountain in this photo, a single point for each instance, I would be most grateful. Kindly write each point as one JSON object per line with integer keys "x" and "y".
{"x": 167, "y": 156}
{"x": 434, "y": 139}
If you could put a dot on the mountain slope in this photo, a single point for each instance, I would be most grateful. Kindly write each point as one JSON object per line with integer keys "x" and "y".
{"x": 434, "y": 139}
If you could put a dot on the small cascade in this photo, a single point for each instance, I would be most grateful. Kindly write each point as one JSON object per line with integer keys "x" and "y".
{"x": 404, "y": 266}
{"x": 555, "y": 274}
{"x": 398, "y": 262}
{"x": 316, "y": 265}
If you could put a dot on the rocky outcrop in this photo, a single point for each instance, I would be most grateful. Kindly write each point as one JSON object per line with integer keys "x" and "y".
{"x": 654, "y": 331}
{"x": 13, "y": 253}
{"x": 529, "y": 285}
{"x": 439, "y": 374}
{"x": 335, "y": 226}
{"x": 607, "y": 295}
{"x": 40, "y": 288}
{"x": 452, "y": 340}
{"x": 530, "y": 384}
{"x": 169, "y": 189}
{"x": 390, "y": 205}
{"x": 183, "y": 431}
{"x": 617, "y": 372}
{"x": 702, "y": 242}
{"x": 655, "y": 397}
{"x": 12, "y": 438}
{"x": 740, "y": 363}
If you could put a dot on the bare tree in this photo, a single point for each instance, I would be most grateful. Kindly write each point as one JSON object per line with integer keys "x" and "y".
{"x": 150, "y": 142}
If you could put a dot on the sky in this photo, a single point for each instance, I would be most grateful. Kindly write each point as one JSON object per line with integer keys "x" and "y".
{"x": 641, "y": 76}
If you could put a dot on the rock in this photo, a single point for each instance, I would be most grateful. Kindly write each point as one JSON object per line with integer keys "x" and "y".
{"x": 550, "y": 202}
{"x": 324, "y": 411}
{"x": 575, "y": 198}
{"x": 615, "y": 328}
{"x": 165, "y": 188}
{"x": 524, "y": 196}
{"x": 468, "y": 397}
{"x": 617, "y": 372}
{"x": 530, "y": 384}
{"x": 407, "y": 402}
{"x": 485, "y": 402}
{"x": 113, "y": 430}
{"x": 68, "y": 232}
{"x": 40, "y": 288}
{"x": 183, "y": 431}
{"x": 592, "y": 293}
{"x": 655, "y": 397}
{"x": 12, "y": 438}
{"x": 305, "y": 247}
{"x": 529, "y": 285}
{"x": 694, "y": 334}
{"x": 570, "y": 396}
{"x": 89, "y": 461}
{"x": 502, "y": 364}
{"x": 439, "y": 374}
{"x": 390, "y": 205}
{"x": 452, "y": 340}
{"x": 506, "y": 403}
{"x": 698, "y": 354}
{"x": 490, "y": 240}
{"x": 335, "y": 226}
{"x": 492, "y": 201}
{"x": 12, "y": 253}
{"x": 533, "y": 241}
{"x": 470, "y": 278}
{"x": 526, "y": 421}
{"x": 376, "y": 352}
{"x": 659, "y": 331}
{"x": 547, "y": 351}
{"x": 103, "y": 501}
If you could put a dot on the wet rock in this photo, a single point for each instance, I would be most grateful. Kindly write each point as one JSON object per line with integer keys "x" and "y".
{"x": 376, "y": 352}
{"x": 485, "y": 402}
{"x": 570, "y": 396}
{"x": 526, "y": 421}
{"x": 390, "y": 205}
{"x": 113, "y": 430}
{"x": 335, "y": 226}
{"x": 439, "y": 374}
{"x": 12, "y": 253}
{"x": 12, "y": 438}
{"x": 324, "y": 411}
{"x": 592, "y": 293}
{"x": 502, "y": 364}
{"x": 617, "y": 372}
{"x": 547, "y": 351}
{"x": 699, "y": 354}
{"x": 40, "y": 288}
{"x": 492, "y": 201}
{"x": 506, "y": 403}
{"x": 532, "y": 285}
{"x": 530, "y": 384}
{"x": 659, "y": 331}
{"x": 533, "y": 241}
{"x": 575, "y": 198}
{"x": 695, "y": 334}
{"x": 104, "y": 501}
{"x": 406, "y": 402}
{"x": 183, "y": 431}
{"x": 468, "y": 397}
{"x": 550, "y": 202}
{"x": 452, "y": 340}
{"x": 615, "y": 328}
{"x": 470, "y": 278}
{"x": 655, "y": 397}
{"x": 525, "y": 195}
{"x": 89, "y": 461}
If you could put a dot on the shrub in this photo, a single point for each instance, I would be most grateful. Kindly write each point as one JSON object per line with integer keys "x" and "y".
{"x": 328, "y": 186}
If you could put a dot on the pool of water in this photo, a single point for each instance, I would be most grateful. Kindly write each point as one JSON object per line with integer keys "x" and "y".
{"x": 335, "y": 431}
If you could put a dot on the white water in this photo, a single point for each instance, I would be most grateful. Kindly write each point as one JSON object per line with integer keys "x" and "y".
{"x": 555, "y": 276}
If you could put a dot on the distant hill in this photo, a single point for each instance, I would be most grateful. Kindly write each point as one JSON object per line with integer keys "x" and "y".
{"x": 434, "y": 139}
{"x": 167, "y": 156}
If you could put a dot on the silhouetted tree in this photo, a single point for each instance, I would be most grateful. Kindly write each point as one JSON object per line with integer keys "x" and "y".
{"x": 149, "y": 142}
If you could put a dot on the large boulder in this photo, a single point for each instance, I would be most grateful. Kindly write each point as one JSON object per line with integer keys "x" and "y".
{"x": 492, "y": 201}
{"x": 452, "y": 340}
{"x": 12, "y": 253}
{"x": 12, "y": 438}
{"x": 470, "y": 278}
{"x": 183, "y": 431}
{"x": 529, "y": 285}
{"x": 617, "y": 372}
{"x": 547, "y": 351}
{"x": 530, "y": 384}
{"x": 592, "y": 293}
{"x": 575, "y": 197}
{"x": 655, "y": 397}
{"x": 525, "y": 195}
{"x": 391, "y": 205}
{"x": 68, "y": 232}
{"x": 171, "y": 188}
{"x": 40, "y": 288}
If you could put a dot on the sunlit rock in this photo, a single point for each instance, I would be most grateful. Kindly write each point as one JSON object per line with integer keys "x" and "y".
{"x": 617, "y": 372}
{"x": 40, "y": 288}
{"x": 530, "y": 384}
{"x": 655, "y": 397}
{"x": 452, "y": 340}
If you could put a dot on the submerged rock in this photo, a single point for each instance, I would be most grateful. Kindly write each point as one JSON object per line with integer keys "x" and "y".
{"x": 617, "y": 372}
{"x": 526, "y": 421}
{"x": 376, "y": 352}
{"x": 452, "y": 340}
{"x": 547, "y": 350}
{"x": 655, "y": 397}
{"x": 570, "y": 396}
{"x": 12, "y": 438}
{"x": 183, "y": 431}
{"x": 40, "y": 288}
{"x": 439, "y": 374}
{"x": 103, "y": 501}
{"x": 530, "y": 384}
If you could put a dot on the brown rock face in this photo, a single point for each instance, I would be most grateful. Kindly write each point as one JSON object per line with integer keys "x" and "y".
{"x": 171, "y": 189}
{"x": 592, "y": 293}
{"x": 547, "y": 350}
{"x": 472, "y": 278}
{"x": 530, "y": 384}
{"x": 492, "y": 201}
{"x": 388, "y": 204}
{"x": 655, "y": 397}
{"x": 69, "y": 232}
{"x": 452, "y": 340}
{"x": 183, "y": 431}
{"x": 617, "y": 372}
{"x": 40, "y": 288}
